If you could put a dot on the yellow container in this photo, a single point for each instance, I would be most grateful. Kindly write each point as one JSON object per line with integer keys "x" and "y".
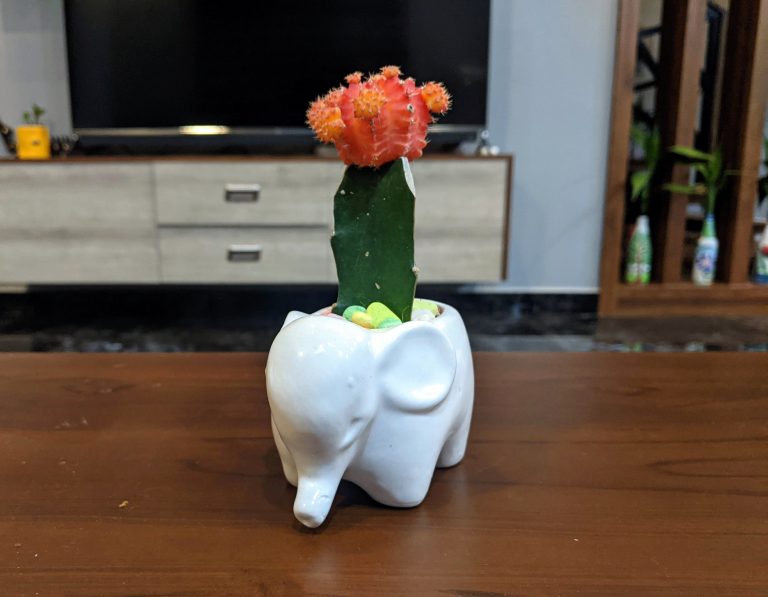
{"x": 33, "y": 142}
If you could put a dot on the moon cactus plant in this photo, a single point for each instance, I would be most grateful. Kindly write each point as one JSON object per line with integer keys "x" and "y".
{"x": 378, "y": 125}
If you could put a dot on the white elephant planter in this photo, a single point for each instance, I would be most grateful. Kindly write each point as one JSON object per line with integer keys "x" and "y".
{"x": 380, "y": 408}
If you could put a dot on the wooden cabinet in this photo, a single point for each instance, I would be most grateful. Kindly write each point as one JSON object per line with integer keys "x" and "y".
{"x": 245, "y": 255}
{"x": 61, "y": 223}
{"x": 230, "y": 220}
{"x": 460, "y": 221}
{"x": 742, "y": 107}
{"x": 248, "y": 192}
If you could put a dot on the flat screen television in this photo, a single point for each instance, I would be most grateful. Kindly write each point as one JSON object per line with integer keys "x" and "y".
{"x": 245, "y": 71}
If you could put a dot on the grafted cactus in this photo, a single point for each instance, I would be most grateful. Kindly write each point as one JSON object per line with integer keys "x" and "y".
{"x": 373, "y": 124}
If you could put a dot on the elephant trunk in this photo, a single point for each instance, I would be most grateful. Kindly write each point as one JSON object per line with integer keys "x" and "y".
{"x": 314, "y": 498}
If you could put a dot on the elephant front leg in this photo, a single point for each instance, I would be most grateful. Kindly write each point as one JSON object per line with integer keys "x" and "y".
{"x": 289, "y": 466}
{"x": 455, "y": 446}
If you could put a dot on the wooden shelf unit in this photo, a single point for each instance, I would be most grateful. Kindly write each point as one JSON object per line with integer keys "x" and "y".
{"x": 683, "y": 298}
{"x": 174, "y": 220}
{"x": 740, "y": 129}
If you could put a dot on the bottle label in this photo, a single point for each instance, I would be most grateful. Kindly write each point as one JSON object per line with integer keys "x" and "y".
{"x": 704, "y": 264}
{"x": 761, "y": 261}
{"x": 638, "y": 259}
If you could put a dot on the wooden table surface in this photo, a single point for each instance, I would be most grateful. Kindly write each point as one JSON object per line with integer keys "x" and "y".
{"x": 590, "y": 474}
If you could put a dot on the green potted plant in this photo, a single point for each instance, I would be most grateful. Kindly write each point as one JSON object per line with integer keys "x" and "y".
{"x": 638, "y": 269}
{"x": 709, "y": 169}
{"x": 33, "y": 140}
{"x": 377, "y": 388}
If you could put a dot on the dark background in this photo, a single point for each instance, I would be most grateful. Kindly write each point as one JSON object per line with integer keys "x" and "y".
{"x": 169, "y": 63}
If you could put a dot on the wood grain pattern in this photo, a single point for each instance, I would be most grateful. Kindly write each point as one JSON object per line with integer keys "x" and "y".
{"x": 589, "y": 474}
{"x": 65, "y": 224}
{"x": 101, "y": 159}
{"x": 452, "y": 256}
{"x": 291, "y": 192}
{"x": 462, "y": 219}
{"x": 199, "y": 255}
{"x": 681, "y": 54}
{"x": 683, "y": 298}
{"x": 625, "y": 58}
{"x": 743, "y": 113}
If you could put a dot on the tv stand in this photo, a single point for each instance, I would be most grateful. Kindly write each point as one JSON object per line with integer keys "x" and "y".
{"x": 229, "y": 220}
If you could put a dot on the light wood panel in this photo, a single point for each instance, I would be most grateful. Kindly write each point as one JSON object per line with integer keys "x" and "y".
{"x": 77, "y": 224}
{"x": 92, "y": 221}
{"x": 453, "y": 256}
{"x": 200, "y": 255}
{"x": 291, "y": 192}
{"x": 460, "y": 220}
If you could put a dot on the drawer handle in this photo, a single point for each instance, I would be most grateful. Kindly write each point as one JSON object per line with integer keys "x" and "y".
{"x": 242, "y": 193}
{"x": 243, "y": 253}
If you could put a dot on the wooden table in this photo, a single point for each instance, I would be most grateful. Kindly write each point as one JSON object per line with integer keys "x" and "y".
{"x": 596, "y": 474}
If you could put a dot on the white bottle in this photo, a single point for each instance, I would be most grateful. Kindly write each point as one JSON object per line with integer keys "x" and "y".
{"x": 705, "y": 260}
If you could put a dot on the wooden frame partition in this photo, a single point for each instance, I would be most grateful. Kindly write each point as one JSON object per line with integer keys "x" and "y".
{"x": 742, "y": 112}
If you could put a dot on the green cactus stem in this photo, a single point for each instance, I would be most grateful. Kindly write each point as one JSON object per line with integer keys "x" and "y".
{"x": 372, "y": 243}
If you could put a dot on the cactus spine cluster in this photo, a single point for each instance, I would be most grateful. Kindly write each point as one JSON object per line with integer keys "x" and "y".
{"x": 377, "y": 126}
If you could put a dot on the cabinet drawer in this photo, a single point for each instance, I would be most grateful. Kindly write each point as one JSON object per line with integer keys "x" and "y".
{"x": 271, "y": 192}
{"x": 456, "y": 196}
{"x": 454, "y": 257}
{"x": 245, "y": 255}
{"x": 69, "y": 223}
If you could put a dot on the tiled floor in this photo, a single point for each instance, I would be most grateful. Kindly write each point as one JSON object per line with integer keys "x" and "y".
{"x": 247, "y": 319}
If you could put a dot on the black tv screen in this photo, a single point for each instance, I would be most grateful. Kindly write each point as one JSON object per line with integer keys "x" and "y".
{"x": 250, "y": 64}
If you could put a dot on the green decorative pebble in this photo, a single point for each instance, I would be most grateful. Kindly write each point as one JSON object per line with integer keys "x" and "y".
{"x": 351, "y": 310}
{"x": 362, "y": 319}
{"x": 379, "y": 313}
{"x": 419, "y": 304}
{"x": 389, "y": 322}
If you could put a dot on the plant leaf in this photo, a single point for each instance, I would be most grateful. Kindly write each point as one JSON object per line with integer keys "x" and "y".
{"x": 702, "y": 169}
{"x": 690, "y": 153}
{"x": 639, "y": 181}
{"x": 684, "y": 189}
{"x": 638, "y": 134}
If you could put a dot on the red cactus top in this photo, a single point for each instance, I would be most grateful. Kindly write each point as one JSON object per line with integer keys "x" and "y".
{"x": 378, "y": 120}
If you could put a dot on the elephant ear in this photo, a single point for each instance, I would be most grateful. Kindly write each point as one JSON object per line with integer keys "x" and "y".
{"x": 415, "y": 365}
{"x": 292, "y": 316}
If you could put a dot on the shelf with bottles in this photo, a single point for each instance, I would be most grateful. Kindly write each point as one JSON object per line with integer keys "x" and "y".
{"x": 736, "y": 125}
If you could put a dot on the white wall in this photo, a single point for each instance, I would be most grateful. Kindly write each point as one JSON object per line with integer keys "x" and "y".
{"x": 550, "y": 94}
{"x": 549, "y": 104}
{"x": 33, "y": 64}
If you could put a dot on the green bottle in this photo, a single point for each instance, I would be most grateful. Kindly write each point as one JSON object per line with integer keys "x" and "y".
{"x": 639, "y": 254}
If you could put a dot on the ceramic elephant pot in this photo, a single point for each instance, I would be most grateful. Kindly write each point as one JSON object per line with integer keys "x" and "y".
{"x": 380, "y": 408}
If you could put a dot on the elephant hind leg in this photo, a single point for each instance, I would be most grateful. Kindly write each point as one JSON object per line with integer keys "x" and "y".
{"x": 455, "y": 446}
{"x": 289, "y": 466}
